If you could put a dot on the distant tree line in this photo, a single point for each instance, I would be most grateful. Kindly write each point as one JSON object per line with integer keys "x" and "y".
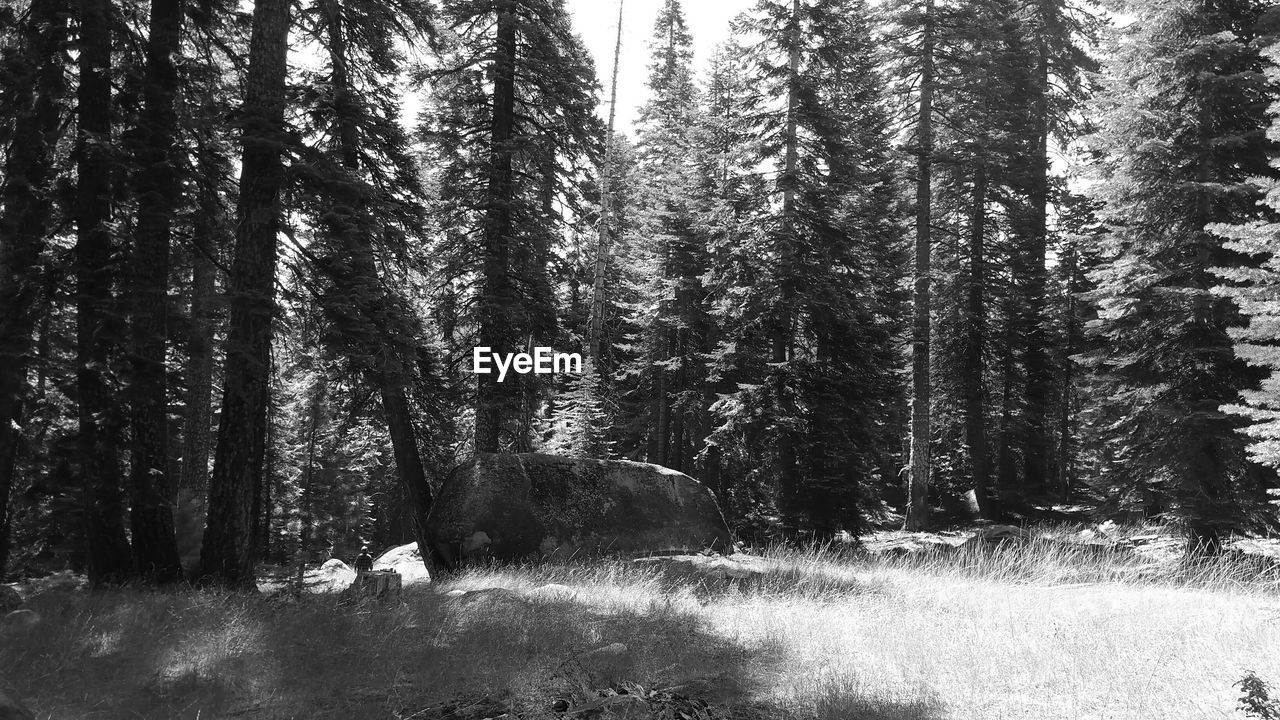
{"x": 918, "y": 262}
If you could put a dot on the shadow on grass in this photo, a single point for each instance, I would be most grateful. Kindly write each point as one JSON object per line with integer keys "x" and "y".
{"x": 208, "y": 655}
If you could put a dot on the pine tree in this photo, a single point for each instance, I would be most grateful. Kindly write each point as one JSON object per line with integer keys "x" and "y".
{"x": 155, "y": 548}
{"x": 226, "y": 557}
{"x": 1254, "y": 290}
{"x": 511, "y": 150}
{"x": 97, "y": 336}
{"x": 33, "y": 85}
{"x": 675, "y": 342}
{"x": 817, "y": 330}
{"x": 1180, "y": 115}
{"x": 365, "y": 188}
{"x": 917, "y": 39}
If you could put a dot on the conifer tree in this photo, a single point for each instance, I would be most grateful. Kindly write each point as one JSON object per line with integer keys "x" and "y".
{"x": 819, "y": 333}
{"x": 97, "y": 331}
{"x": 365, "y": 190}
{"x": 675, "y": 333}
{"x": 155, "y": 548}
{"x": 512, "y": 150}
{"x": 1180, "y": 115}
{"x": 1254, "y": 290}
{"x": 33, "y": 86}
{"x": 226, "y": 557}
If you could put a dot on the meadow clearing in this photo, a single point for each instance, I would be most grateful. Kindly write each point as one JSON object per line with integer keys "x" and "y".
{"x": 1040, "y": 630}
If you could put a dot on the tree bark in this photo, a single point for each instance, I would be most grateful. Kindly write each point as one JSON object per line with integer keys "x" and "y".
{"x": 24, "y": 225}
{"x": 197, "y": 424}
{"x": 1039, "y": 384}
{"x": 226, "y": 558}
{"x": 973, "y": 373}
{"x": 917, "y": 515}
{"x": 494, "y": 402}
{"x": 788, "y": 470}
{"x": 108, "y": 553}
{"x": 155, "y": 548}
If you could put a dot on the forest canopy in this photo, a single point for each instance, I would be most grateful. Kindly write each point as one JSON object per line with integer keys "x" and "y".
{"x": 874, "y": 264}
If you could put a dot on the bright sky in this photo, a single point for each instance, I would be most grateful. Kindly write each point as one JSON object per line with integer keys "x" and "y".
{"x": 597, "y": 22}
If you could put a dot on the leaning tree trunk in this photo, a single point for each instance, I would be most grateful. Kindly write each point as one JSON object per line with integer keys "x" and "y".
{"x": 917, "y": 517}
{"x": 108, "y": 551}
{"x": 24, "y": 224}
{"x": 354, "y": 227}
{"x": 226, "y": 558}
{"x": 155, "y": 548}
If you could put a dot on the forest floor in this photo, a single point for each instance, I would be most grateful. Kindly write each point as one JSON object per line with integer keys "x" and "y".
{"x": 1037, "y": 630}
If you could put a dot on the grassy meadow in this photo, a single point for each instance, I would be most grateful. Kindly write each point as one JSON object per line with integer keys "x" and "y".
{"x": 1039, "y": 631}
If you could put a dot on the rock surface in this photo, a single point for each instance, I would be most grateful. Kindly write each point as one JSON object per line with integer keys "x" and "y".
{"x": 11, "y": 709}
{"x": 406, "y": 560}
{"x": 553, "y": 592}
{"x": 10, "y": 599}
{"x": 20, "y": 619}
{"x": 333, "y": 576}
{"x": 718, "y": 567}
{"x": 517, "y": 506}
{"x": 998, "y": 535}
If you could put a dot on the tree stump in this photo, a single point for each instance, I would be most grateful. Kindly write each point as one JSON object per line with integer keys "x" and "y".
{"x": 378, "y": 584}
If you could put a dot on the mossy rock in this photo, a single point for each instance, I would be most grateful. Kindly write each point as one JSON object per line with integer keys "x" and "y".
{"x": 529, "y": 505}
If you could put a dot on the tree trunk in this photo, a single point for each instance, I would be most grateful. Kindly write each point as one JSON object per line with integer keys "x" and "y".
{"x": 596, "y": 329}
{"x": 1066, "y": 443}
{"x": 389, "y": 372}
{"x": 227, "y": 556}
{"x": 25, "y": 224}
{"x": 108, "y": 552}
{"x": 155, "y": 548}
{"x": 497, "y": 296}
{"x": 1007, "y": 467}
{"x": 198, "y": 419}
{"x": 1039, "y": 385}
{"x": 973, "y": 373}
{"x": 917, "y": 515}
{"x": 788, "y": 471}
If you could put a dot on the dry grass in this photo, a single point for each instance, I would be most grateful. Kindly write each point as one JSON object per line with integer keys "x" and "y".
{"x": 1035, "y": 632}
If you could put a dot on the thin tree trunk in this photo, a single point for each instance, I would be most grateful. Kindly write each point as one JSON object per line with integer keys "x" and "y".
{"x": 108, "y": 553}
{"x": 606, "y": 210}
{"x": 197, "y": 423}
{"x": 25, "y": 224}
{"x": 227, "y": 556}
{"x": 155, "y": 548}
{"x": 1037, "y": 442}
{"x": 1066, "y": 444}
{"x": 917, "y": 516}
{"x": 1007, "y": 467}
{"x": 318, "y": 391}
{"x": 973, "y": 373}
{"x": 788, "y": 471}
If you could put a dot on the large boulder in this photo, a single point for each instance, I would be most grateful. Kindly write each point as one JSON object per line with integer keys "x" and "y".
{"x": 516, "y": 506}
{"x": 406, "y": 560}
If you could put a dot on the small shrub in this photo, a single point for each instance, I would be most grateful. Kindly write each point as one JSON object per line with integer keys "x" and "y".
{"x": 1255, "y": 698}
